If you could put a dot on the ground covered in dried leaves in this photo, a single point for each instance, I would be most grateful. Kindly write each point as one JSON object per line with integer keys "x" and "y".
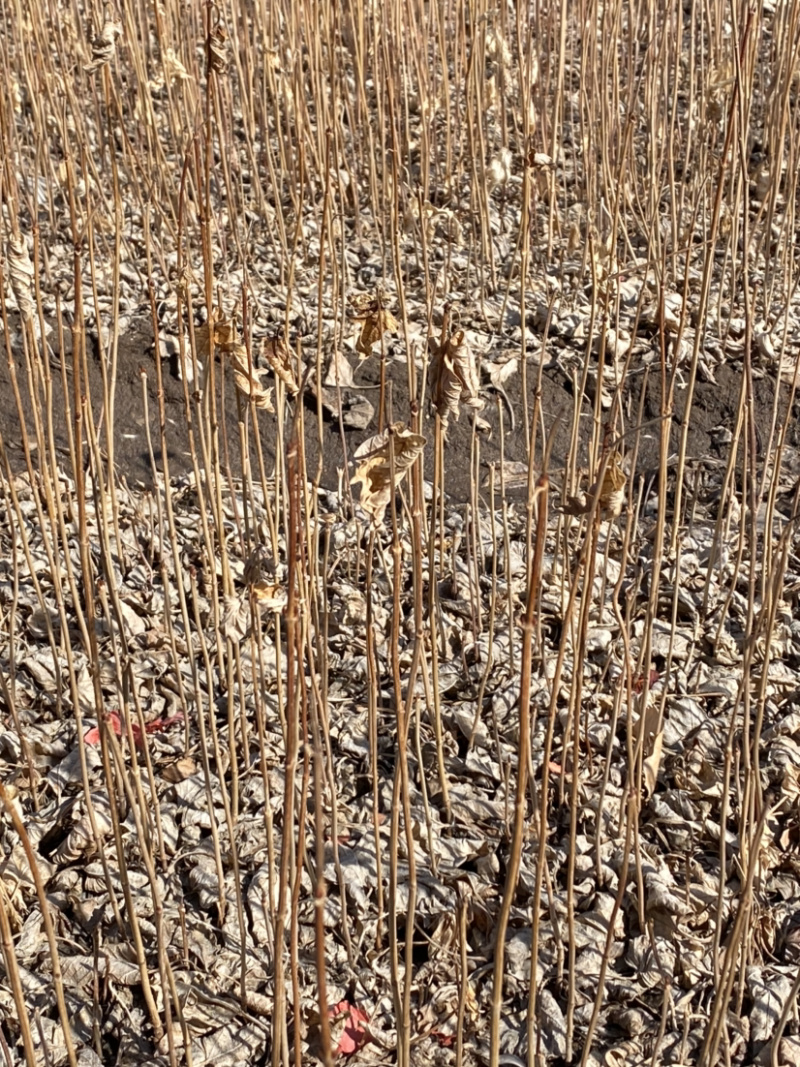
{"x": 399, "y": 573}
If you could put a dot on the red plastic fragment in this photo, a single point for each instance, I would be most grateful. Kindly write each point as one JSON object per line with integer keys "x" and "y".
{"x": 92, "y": 736}
{"x": 354, "y": 1036}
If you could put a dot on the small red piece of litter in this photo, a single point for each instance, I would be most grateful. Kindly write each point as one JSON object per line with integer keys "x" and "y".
{"x": 638, "y": 682}
{"x": 92, "y": 737}
{"x": 354, "y": 1036}
{"x": 157, "y": 725}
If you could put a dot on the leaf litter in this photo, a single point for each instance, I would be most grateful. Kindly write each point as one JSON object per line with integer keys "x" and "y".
{"x": 683, "y": 764}
{"x": 179, "y": 851}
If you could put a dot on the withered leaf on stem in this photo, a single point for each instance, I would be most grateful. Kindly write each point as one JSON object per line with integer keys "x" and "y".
{"x": 611, "y": 496}
{"x": 248, "y": 382}
{"x": 216, "y": 328}
{"x": 279, "y": 359}
{"x": 455, "y": 377}
{"x": 375, "y": 319}
{"x": 21, "y": 274}
{"x": 227, "y": 340}
{"x": 374, "y": 472}
{"x": 104, "y": 44}
{"x": 612, "y": 488}
{"x": 373, "y": 328}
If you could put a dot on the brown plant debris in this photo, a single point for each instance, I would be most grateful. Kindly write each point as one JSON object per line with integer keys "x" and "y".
{"x": 104, "y": 44}
{"x": 454, "y": 376}
{"x": 376, "y": 319}
{"x": 227, "y": 340}
{"x": 279, "y": 359}
{"x": 375, "y": 471}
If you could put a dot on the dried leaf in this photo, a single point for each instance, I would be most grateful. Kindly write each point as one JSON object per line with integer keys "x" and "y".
{"x": 454, "y": 377}
{"x": 104, "y": 44}
{"x": 373, "y": 327}
{"x": 612, "y": 488}
{"x": 279, "y": 359}
{"x": 173, "y": 68}
{"x": 21, "y": 273}
{"x": 652, "y": 764}
{"x": 248, "y": 382}
{"x": 339, "y": 371}
{"x": 374, "y": 472}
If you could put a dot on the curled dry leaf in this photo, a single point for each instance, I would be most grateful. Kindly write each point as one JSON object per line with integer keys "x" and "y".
{"x": 455, "y": 377}
{"x": 20, "y": 271}
{"x": 227, "y": 340}
{"x": 269, "y": 596}
{"x": 217, "y": 49}
{"x": 375, "y": 319}
{"x": 612, "y": 489}
{"x": 248, "y": 382}
{"x": 279, "y": 359}
{"x": 219, "y": 329}
{"x": 339, "y": 371}
{"x": 174, "y": 68}
{"x": 103, "y": 45}
{"x": 374, "y": 472}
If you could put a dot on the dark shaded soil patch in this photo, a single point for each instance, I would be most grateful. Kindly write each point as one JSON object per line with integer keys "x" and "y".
{"x": 715, "y": 405}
